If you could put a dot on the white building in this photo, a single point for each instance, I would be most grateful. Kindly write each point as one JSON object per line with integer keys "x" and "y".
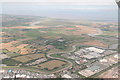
{"x": 93, "y": 49}
{"x": 103, "y": 60}
{"x": 66, "y": 76}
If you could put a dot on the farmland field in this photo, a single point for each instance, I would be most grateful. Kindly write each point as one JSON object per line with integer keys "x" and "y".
{"x": 29, "y": 57}
{"x": 50, "y": 65}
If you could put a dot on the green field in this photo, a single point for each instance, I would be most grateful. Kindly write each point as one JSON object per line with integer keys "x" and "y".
{"x": 10, "y": 62}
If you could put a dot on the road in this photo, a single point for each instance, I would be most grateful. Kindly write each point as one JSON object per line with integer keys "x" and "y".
{"x": 45, "y": 72}
{"x": 38, "y": 22}
{"x": 69, "y": 62}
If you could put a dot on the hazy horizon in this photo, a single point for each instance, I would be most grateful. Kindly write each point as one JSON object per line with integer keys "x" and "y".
{"x": 63, "y": 11}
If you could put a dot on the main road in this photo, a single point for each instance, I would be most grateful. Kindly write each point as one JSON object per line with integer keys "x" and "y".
{"x": 68, "y": 62}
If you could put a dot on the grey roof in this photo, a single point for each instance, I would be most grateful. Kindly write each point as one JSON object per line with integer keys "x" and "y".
{"x": 93, "y": 68}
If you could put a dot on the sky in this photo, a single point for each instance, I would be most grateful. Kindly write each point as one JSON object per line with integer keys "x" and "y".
{"x": 77, "y": 9}
{"x": 96, "y": 2}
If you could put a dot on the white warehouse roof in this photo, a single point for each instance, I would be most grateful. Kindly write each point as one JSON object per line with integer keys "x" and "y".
{"x": 95, "y": 49}
{"x": 66, "y": 76}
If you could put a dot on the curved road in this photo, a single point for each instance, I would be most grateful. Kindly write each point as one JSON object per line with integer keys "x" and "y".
{"x": 74, "y": 48}
{"x": 70, "y": 63}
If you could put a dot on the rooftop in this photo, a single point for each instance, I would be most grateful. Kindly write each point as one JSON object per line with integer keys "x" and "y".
{"x": 93, "y": 68}
{"x": 66, "y": 76}
{"x": 95, "y": 49}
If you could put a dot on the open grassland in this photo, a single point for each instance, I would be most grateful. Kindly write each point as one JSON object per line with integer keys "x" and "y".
{"x": 95, "y": 43}
{"x": 36, "y": 31}
{"x": 13, "y": 54}
{"x": 51, "y": 64}
{"x": 10, "y": 62}
{"x": 22, "y": 59}
{"x": 29, "y": 57}
{"x": 82, "y": 30}
{"x": 76, "y": 30}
